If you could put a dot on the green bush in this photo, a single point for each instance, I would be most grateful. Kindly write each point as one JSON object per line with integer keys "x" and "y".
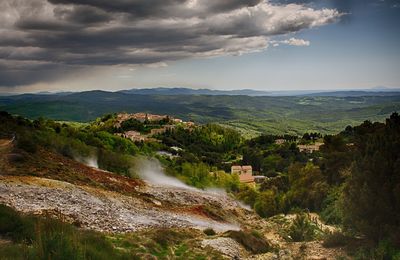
{"x": 197, "y": 174}
{"x": 308, "y": 187}
{"x": 26, "y": 141}
{"x": 209, "y": 232}
{"x": 253, "y": 243}
{"x": 266, "y": 204}
{"x": 115, "y": 162}
{"x": 302, "y": 229}
{"x": 332, "y": 212}
{"x": 247, "y": 194}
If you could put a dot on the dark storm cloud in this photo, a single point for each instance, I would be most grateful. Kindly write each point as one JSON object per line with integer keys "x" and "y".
{"x": 161, "y": 8}
{"x": 139, "y": 8}
{"x": 34, "y": 24}
{"x": 83, "y": 14}
{"x": 39, "y": 39}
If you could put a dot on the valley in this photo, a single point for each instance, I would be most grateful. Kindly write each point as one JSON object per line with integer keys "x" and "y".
{"x": 251, "y": 115}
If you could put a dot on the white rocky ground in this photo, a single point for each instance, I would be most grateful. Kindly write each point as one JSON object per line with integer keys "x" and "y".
{"x": 151, "y": 207}
{"x": 110, "y": 211}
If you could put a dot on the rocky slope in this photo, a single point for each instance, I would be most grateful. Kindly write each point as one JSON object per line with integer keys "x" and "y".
{"x": 111, "y": 211}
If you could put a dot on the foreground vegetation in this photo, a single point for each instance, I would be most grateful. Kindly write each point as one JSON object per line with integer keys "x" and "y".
{"x": 32, "y": 237}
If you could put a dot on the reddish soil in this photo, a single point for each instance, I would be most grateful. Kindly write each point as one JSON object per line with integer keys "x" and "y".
{"x": 199, "y": 210}
{"x": 55, "y": 166}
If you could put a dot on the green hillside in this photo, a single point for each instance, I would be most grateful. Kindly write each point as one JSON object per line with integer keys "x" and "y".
{"x": 250, "y": 115}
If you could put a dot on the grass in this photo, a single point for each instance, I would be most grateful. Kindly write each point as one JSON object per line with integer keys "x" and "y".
{"x": 45, "y": 238}
{"x": 164, "y": 244}
{"x": 33, "y": 237}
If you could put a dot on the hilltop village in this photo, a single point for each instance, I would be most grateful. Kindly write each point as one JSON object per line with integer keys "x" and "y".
{"x": 144, "y": 127}
{"x": 150, "y": 128}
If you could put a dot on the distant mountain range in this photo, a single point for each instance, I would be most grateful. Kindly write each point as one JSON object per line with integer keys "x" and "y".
{"x": 377, "y": 91}
{"x": 250, "y": 92}
{"x": 189, "y": 91}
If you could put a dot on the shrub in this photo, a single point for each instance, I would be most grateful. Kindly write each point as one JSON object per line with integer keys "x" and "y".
{"x": 332, "y": 211}
{"x": 209, "y": 232}
{"x": 166, "y": 237}
{"x": 247, "y": 194}
{"x": 249, "y": 241}
{"x": 266, "y": 204}
{"x": 13, "y": 226}
{"x": 334, "y": 239}
{"x": 26, "y": 142}
{"x": 256, "y": 234}
{"x": 302, "y": 229}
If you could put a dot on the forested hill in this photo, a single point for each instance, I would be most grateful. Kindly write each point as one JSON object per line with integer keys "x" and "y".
{"x": 250, "y": 115}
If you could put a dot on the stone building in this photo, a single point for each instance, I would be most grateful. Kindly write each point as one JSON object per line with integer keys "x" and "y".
{"x": 245, "y": 173}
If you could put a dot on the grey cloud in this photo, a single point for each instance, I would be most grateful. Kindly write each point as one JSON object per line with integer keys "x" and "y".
{"x": 34, "y": 24}
{"x": 39, "y": 39}
{"x": 162, "y": 8}
{"x": 227, "y": 5}
{"x": 139, "y": 8}
{"x": 83, "y": 14}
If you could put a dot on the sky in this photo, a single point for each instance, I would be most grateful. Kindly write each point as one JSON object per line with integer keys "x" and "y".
{"x": 75, "y": 45}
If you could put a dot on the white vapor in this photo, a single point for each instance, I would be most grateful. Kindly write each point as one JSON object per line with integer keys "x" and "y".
{"x": 90, "y": 161}
{"x": 150, "y": 170}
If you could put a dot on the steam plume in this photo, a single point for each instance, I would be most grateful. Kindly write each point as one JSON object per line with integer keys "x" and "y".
{"x": 151, "y": 170}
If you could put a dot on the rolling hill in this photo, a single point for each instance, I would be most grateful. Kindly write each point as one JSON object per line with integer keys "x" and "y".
{"x": 249, "y": 114}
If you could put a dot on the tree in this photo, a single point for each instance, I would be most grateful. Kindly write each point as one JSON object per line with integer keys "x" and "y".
{"x": 336, "y": 157}
{"x": 247, "y": 194}
{"x": 266, "y": 204}
{"x": 197, "y": 174}
{"x": 307, "y": 186}
{"x": 372, "y": 192}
